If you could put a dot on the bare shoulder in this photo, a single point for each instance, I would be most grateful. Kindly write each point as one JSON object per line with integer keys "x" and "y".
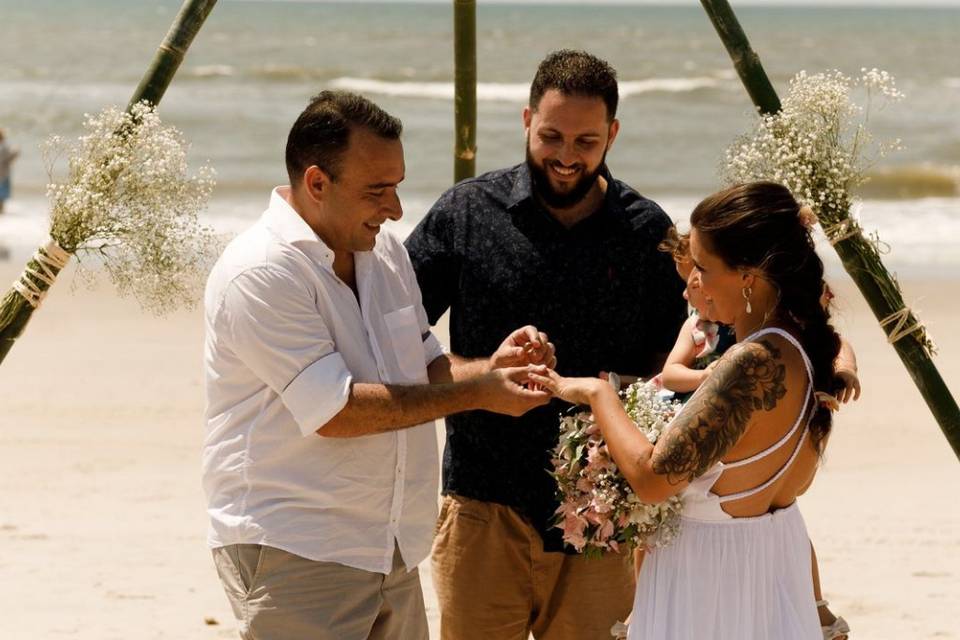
{"x": 748, "y": 379}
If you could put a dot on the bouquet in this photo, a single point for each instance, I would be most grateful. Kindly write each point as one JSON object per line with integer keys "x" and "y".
{"x": 598, "y": 509}
{"x": 129, "y": 203}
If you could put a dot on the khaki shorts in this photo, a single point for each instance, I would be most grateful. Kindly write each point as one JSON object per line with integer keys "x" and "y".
{"x": 276, "y": 595}
{"x": 494, "y": 581}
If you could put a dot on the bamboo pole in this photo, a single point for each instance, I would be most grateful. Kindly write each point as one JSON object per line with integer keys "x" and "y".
{"x": 465, "y": 88}
{"x": 15, "y": 311}
{"x": 859, "y": 257}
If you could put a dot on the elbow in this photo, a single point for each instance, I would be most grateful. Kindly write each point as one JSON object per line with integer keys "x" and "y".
{"x": 648, "y": 485}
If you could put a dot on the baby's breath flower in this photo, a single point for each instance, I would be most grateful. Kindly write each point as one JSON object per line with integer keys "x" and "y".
{"x": 818, "y": 145}
{"x": 128, "y": 201}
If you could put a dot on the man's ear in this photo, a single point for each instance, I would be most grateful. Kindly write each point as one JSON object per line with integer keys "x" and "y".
{"x": 316, "y": 183}
{"x": 613, "y": 131}
{"x": 527, "y": 117}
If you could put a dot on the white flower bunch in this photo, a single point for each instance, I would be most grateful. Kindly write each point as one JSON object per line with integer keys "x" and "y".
{"x": 129, "y": 201}
{"x": 818, "y": 145}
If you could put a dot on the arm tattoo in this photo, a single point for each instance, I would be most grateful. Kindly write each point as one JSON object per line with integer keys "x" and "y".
{"x": 749, "y": 379}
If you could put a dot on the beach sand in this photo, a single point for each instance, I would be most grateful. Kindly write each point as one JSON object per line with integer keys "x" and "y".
{"x": 102, "y": 518}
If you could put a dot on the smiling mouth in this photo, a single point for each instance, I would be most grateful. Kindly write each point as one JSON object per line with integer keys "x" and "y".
{"x": 564, "y": 172}
{"x": 375, "y": 228}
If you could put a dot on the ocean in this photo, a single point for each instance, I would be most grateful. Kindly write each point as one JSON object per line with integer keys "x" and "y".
{"x": 255, "y": 64}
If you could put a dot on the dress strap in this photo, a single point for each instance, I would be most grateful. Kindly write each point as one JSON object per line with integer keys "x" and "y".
{"x": 809, "y": 405}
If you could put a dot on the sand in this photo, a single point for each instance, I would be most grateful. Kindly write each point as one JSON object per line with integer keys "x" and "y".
{"x": 102, "y": 518}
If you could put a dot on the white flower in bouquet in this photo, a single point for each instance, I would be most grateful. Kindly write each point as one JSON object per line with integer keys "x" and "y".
{"x": 598, "y": 509}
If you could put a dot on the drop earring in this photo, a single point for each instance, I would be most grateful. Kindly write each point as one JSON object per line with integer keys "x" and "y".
{"x": 747, "y": 292}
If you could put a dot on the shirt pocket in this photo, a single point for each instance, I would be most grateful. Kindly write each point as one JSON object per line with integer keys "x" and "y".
{"x": 407, "y": 344}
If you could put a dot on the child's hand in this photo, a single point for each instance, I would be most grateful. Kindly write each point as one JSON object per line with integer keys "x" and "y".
{"x": 851, "y": 386}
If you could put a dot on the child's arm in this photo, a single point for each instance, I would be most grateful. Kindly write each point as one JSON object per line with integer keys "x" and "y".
{"x": 677, "y": 374}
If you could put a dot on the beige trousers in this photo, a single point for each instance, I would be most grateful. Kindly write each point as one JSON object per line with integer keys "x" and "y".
{"x": 494, "y": 581}
{"x": 276, "y": 595}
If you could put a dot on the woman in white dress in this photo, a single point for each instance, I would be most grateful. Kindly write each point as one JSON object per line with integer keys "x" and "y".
{"x": 746, "y": 444}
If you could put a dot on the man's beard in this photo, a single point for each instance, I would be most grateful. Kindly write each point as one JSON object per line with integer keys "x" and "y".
{"x": 553, "y": 198}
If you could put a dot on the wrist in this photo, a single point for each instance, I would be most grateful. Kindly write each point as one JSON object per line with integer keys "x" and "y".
{"x": 598, "y": 389}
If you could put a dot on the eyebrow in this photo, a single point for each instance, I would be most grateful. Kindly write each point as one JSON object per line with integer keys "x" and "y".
{"x": 383, "y": 185}
{"x": 551, "y": 130}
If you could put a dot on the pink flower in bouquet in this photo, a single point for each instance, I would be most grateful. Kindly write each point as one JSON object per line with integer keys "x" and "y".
{"x": 573, "y": 528}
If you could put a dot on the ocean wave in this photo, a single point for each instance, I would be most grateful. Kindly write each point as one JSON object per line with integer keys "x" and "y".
{"x": 911, "y": 182}
{"x": 509, "y": 92}
{"x": 210, "y": 71}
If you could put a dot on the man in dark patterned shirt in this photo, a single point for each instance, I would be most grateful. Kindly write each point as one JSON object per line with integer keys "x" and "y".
{"x": 555, "y": 242}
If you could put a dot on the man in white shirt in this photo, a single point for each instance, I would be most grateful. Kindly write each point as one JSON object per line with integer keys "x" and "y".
{"x": 323, "y": 380}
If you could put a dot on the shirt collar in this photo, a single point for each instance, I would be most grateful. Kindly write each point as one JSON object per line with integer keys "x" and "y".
{"x": 284, "y": 220}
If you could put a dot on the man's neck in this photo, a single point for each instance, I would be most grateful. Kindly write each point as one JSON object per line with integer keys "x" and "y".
{"x": 582, "y": 210}
{"x": 344, "y": 267}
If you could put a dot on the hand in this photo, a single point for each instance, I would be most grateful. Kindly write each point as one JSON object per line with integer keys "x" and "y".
{"x": 851, "y": 386}
{"x": 504, "y": 390}
{"x": 573, "y": 390}
{"x": 524, "y": 346}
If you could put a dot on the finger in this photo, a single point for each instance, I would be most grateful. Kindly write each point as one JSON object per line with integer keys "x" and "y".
{"x": 552, "y": 363}
{"x": 526, "y": 335}
{"x": 519, "y": 374}
{"x": 543, "y": 381}
{"x": 856, "y": 390}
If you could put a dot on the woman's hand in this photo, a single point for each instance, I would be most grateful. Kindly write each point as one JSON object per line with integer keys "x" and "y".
{"x": 573, "y": 390}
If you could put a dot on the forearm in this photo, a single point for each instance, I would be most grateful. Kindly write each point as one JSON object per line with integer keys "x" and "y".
{"x": 453, "y": 368}
{"x": 846, "y": 358}
{"x": 680, "y": 378}
{"x": 378, "y": 408}
{"x": 629, "y": 448}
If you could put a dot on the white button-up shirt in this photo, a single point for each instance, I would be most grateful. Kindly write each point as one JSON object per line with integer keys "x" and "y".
{"x": 285, "y": 337}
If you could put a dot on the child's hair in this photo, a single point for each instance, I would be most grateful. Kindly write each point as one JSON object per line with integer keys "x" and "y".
{"x": 676, "y": 244}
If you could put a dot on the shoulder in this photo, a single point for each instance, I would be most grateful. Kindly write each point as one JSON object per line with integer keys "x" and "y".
{"x": 643, "y": 214}
{"x": 493, "y": 187}
{"x": 756, "y": 369}
{"x": 256, "y": 263}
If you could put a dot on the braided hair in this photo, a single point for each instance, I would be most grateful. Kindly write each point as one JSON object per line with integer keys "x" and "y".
{"x": 758, "y": 225}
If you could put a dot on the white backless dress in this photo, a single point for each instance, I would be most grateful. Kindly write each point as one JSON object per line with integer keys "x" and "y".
{"x": 727, "y": 578}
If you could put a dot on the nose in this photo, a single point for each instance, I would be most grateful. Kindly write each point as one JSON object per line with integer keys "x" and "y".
{"x": 693, "y": 280}
{"x": 567, "y": 155}
{"x": 392, "y": 207}
{"x": 686, "y": 295}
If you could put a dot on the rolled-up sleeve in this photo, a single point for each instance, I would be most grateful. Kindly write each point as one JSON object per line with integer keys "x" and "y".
{"x": 274, "y": 328}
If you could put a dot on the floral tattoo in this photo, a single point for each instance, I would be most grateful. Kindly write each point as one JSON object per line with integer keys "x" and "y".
{"x": 750, "y": 379}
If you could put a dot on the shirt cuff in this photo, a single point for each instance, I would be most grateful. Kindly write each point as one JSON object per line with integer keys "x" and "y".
{"x": 318, "y": 393}
{"x": 432, "y": 349}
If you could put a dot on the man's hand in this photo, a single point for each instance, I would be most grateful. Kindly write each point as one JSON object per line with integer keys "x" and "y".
{"x": 524, "y": 346}
{"x": 504, "y": 390}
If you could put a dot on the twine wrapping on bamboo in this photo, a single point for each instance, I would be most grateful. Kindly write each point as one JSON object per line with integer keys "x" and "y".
{"x": 51, "y": 259}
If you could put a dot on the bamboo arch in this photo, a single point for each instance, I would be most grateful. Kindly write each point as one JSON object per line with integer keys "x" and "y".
{"x": 868, "y": 273}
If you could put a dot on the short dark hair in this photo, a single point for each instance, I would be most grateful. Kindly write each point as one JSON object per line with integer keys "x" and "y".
{"x": 576, "y": 73}
{"x": 322, "y": 132}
